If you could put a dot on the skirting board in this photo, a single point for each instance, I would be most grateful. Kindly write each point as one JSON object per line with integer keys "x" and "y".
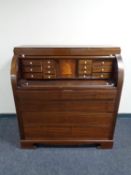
{"x": 9, "y": 115}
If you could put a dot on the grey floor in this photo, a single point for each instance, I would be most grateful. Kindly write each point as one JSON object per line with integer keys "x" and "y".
{"x": 64, "y": 161}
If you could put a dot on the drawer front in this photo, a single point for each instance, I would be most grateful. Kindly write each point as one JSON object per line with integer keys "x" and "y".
{"x": 32, "y": 119}
{"x": 84, "y": 72}
{"x": 67, "y": 94}
{"x": 67, "y": 106}
{"x": 101, "y": 75}
{"x": 67, "y": 132}
{"x": 49, "y": 62}
{"x": 102, "y": 63}
{"x": 32, "y": 69}
{"x": 85, "y": 62}
{"x": 102, "y": 69}
{"x": 49, "y": 76}
{"x": 32, "y": 62}
{"x": 49, "y": 72}
{"x": 33, "y": 76}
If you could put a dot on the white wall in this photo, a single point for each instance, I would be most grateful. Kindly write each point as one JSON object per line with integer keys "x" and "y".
{"x": 63, "y": 22}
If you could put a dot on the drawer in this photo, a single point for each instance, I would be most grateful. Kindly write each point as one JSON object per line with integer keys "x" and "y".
{"x": 33, "y": 75}
{"x": 49, "y": 63}
{"x": 102, "y": 68}
{"x": 50, "y": 66}
{"x": 85, "y": 72}
{"x": 32, "y": 62}
{"x": 67, "y": 94}
{"x": 49, "y": 76}
{"x": 101, "y": 75}
{"x": 85, "y": 62}
{"x": 49, "y": 72}
{"x": 32, "y": 69}
{"x": 67, "y": 132}
{"x": 67, "y": 106}
{"x": 66, "y": 118}
{"x": 102, "y": 63}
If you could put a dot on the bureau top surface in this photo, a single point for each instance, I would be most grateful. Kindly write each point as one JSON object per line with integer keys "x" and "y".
{"x": 66, "y": 50}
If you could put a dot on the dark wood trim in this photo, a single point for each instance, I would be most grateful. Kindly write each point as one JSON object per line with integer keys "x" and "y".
{"x": 67, "y": 51}
{"x": 120, "y": 78}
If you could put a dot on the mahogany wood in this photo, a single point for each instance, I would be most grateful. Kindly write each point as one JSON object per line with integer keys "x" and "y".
{"x": 66, "y": 96}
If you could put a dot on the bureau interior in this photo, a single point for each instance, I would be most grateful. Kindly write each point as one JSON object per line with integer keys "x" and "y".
{"x": 85, "y": 68}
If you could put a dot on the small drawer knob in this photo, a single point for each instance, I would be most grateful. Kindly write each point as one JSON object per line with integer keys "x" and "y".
{"x": 85, "y": 71}
{"x": 102, "y": 69}
{"x": 48, "y": 62}
{"x": 31, "y": 69}
{"x": 102, "y": 75}
{"x": 32, "y": 76}
{"x": 30, "y": 62}
{"x": 49, "y": 72}
{"x": 49, "y": 76}
{"x": 85, "y": 67}
{"x": 103, "y": 62}
{"x": 48, "y": 66}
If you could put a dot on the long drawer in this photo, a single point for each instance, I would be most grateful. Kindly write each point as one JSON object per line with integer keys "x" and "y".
{"x": 67, "y": 106}
{"x": 67, "y": 132}
{"x": 67, "y": 118}
{"x": 65, "y": 94}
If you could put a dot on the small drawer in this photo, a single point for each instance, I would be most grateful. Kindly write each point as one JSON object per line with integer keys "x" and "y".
{"x": 33, "y": 75}
{"x": 85, "y": 62}
{"x": 102, "y": 63}
{"x": 83, "y": 71}
{"x": 49, "y": 66}
{"x": 32, "y": 62}
{"x": 101, "y": 75}
{"x": 49, "y": 71}
{"x": 32, "y": 69}
{"x": 49, "y": 76}
{"x": 102, "y": 68}
{"x": 49, "y": 62}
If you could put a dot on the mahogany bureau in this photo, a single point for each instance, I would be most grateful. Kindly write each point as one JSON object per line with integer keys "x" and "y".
{"x": 66, "y": 96}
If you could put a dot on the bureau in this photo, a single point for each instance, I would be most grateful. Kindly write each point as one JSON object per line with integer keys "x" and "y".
{"x": 66, "y": 96}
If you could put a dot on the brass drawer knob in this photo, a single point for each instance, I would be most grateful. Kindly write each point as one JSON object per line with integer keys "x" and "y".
{"x": 48, "y": 62}
{"x": 31, "y": 69}
{"x": 48, "y": 66}
{"x": 49, "y": 72}
{"x": 85, "y": 62}
{"x": 85, "y": 67}
{"x": 103, "y": 62}
{"x": 30, "y": 62}
{"x": 32, "y": 76}
{"x": 85, "y": 71}
{"x": 49, "y": 76}
{"x": 102, "y": 75}
{"x": 102, "y": 69}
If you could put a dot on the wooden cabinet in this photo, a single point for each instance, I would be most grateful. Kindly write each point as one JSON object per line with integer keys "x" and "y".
{"x": 66, "y": 96}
